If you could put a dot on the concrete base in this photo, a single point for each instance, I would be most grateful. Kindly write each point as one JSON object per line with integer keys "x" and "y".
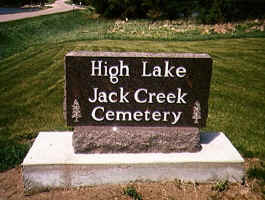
{"x": 52, "y": 163}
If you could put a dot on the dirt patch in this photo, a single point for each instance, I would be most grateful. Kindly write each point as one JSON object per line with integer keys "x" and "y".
{"x": 11, "y": 188}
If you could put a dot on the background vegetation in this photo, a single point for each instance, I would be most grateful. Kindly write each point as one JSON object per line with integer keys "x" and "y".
{"x": 208, "y": 11}
{"x": 84, "y": 25}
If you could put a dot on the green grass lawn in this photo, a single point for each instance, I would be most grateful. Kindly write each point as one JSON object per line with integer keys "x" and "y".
{"x": 16, "y": 36}
{"x": 32, "y": 76}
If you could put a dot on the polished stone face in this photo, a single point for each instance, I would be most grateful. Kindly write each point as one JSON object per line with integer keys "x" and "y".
{"x": 137, "y": 89}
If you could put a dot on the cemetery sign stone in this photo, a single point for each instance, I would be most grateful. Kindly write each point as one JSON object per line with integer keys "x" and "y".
{"x": 136, "y": 102}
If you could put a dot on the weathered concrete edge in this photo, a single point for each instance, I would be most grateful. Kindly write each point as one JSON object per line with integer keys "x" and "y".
{"x": 137, "y": 54}
{"x": 43, "y": 178}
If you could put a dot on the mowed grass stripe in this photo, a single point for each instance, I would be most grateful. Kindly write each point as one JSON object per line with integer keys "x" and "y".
{"x": 32, "y": 87}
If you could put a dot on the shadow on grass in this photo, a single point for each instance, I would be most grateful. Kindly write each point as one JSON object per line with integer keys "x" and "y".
{"x": 245, "y": 153}
{"x": 12, "y": 153}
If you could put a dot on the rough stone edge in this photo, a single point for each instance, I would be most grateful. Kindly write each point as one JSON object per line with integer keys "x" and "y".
{"x": 137, "y": 54}
{"x": 190, "y": 136}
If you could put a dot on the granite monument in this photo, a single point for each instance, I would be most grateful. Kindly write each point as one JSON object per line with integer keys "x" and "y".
{"x": 136, "y": 102}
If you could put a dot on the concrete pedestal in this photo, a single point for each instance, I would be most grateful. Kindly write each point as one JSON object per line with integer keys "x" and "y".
{"x": 52, "y": 163}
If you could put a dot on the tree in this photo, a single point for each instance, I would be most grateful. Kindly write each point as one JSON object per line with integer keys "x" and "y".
{"x": 196, "y": 114}
{"x": 76, "y": 113}
{"x": 42, "y": 3}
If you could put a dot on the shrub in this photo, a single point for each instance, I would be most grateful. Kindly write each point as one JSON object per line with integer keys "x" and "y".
{"x": 119, "y": 8}
{"x": 218, "y": 11}
{"x": 143, "y": 8}
{"x": 210, "y": 11}
{"x": 169, "y": 9}
{"x": 180, "y": 8}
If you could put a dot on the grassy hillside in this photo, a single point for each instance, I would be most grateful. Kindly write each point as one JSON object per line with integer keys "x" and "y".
{"x": 16, "y": 36}
{"x": 31, "y": 86}
{"x": 32, "y": 77}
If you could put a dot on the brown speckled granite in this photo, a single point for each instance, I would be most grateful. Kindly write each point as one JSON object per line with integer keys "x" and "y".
{"x": 130, "y": 136}
{"x": 80, "y": 85}
{"x": 91, "y": 139}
